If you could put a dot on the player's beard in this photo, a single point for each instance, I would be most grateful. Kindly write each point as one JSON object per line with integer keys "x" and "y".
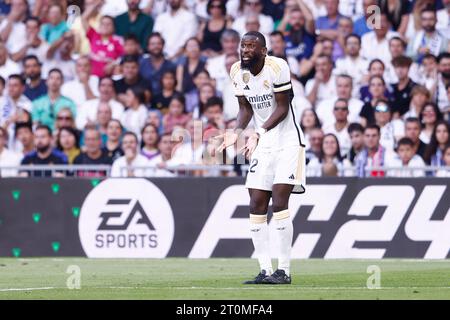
{"x": 249, "y": 63}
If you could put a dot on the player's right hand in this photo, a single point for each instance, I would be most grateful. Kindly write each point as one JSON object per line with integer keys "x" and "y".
{"x": 229, "y": 139}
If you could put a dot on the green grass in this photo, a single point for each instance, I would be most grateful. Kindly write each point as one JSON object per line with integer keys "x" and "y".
{"x": 45, "y": 278}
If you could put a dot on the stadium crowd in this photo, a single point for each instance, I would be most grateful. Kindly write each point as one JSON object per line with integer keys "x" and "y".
{"x": 133, "y": 83}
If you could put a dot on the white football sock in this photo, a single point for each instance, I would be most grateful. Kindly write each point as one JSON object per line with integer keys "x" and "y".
{"x": 284, "y": 231}
{"x": 259, "y": 230}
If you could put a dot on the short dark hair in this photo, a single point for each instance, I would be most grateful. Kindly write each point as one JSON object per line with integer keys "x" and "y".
{"x": 372, "y": 127}
{"x": 342, "y": 100}
{"x": 131, "y": 133}
{"x": 44, "y": 127}
{"x": 223, "y": 7}
{"x": 139, "y": 93}
{"x": 21, "y": 125}
{"x": 443, "y": 55}
{"x": 355, "y": 127}
{"x": 412, "y": 120}
{"x": 430, "y": 56}
{"x": 131, "y": 37}
{"x": 353, "y": 35}
{"x": 57, "y": 71}
{"x": 130, "y": 58}
{"x": 31, "y": 57}
{"x": 36, "y": 19}
{"x": 404, "y": 44}
{"x": 405, "y": 142}
{"x": 402, "y": 61}
{"x": 17, "y": 77}
{"x": 428, "y": 8}
{"x": 257, "y": 35}
{"x": 277, "y": 33}
{"x": 376, "y": 61}
{"x": 105, "y": 78}
{"x": 214, "y": 101}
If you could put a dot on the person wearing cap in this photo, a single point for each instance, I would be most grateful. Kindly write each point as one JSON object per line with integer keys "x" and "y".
{"x": 404, "y": 86}
{"x": 391, "y": 130}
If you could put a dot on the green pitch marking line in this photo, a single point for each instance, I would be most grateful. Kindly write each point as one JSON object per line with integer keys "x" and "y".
{"x": 45, "y": 278}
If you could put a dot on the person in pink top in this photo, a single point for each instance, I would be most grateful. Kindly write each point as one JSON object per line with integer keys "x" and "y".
{"x": 176, "y": 115}
{"x": 106, "y": 47}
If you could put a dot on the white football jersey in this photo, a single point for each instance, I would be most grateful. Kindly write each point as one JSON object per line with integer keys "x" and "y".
{"x": 260, "y": 92}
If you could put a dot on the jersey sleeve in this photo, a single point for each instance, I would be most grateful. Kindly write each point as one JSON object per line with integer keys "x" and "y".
{"x": 234, "y": 75}
{"x": 282, "y": 80}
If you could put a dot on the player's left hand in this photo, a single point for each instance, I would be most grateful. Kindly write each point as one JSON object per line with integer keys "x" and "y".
{"x": 250, "y": 146}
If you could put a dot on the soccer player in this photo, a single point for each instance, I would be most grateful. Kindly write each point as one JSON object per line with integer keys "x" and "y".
{"x": 276, "y": 150}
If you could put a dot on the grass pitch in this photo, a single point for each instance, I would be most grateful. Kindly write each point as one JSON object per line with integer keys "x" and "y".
{"x": 46, "y": 278}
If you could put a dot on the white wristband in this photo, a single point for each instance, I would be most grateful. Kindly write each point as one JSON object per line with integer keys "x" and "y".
{"x": 261, "y": 131}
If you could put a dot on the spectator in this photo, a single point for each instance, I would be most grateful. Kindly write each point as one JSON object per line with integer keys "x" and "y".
{"x": 94, "y": 155}
{"x": 377, "y": 89}
{"x": 345, "y": 28}
{"x": 183, "y": 25}
{"x": 427, "y": 74}
{"x": 56, "y": 29}
{"x": 419, "y": 96}
{"x": 168, "y": 90}
{"x": 12, "y": 28}
{"x": 189, "y": 148}
{"x": 80, "y": 28}
{"x": 132, "y": 164}
{"x": 414, "y": 20}
{"x": 134, "y": 21}
{"x": 324, "y": 83}
{"x": 46, "y": 107}
{"x": 352, "y": 63}
{"x": 191, "y": 66}
{"x": 104, "y": 115}
{"x": 33, "y": 44}
{"x": 363, "y": 25}
{"x": 210, "y": 31}
{"x": 412, "y": 131}
{"x": 309, "y": 121}
{"x": 85, "y": 86}
{"x": 155, "y": 118}
{"x": 434, "y": 154}
{"x": 113, "y": 146}
{"x": 356, "y": 133}
{"x": 60, "y": 57}
{"x": 253, "y": 7}
{"x": 317, "y": 7}
{"x": 307, "y": 66}
{"x": 405, "y": 158}
{"x": 275, "y": 9}
{"x": 150, "y": 140}
{"x": 44, "y": 155}
{"x": 440, "y": 92}
{"x": 105, "y": 47}
{"x": 35, "y": 86}
{"x": 131, "y": 46}
{"x": 397, "y": 14}
{"x": 375, "y": 44}
{"x": 68, "y": 142}
{"x": 216, "y": 66}
{"x": 376, "y": 68}
{"x": 429, "y": 117}
{"x": 391, "y": 130}
{"x": 340, "y": 126}
{"x": 131, "y": 79}
{"x": 327, "y": 25}
{"x": 87, "y": 112}
{"x": 161, "y": 161}
{"x": 402, "y": 90}
{"x": 176, "y": 115}
{"x": 213, "y": 115}
{"x": 372, "y": 155}
{"x": 8, "y": 158}
{"x": 7, "y": 66}
{"x": 14, "y": 102}
{"x": 445, "y": 172}
{"x": 315, "y": 144}
{"x": 330, "y": 155}
{"x": 153, "y": 65}
{"x": 397, "y": 48}
{"x": 344, "y": 84}
{"x": 133, "y": 119}
{"x": 65, "y": 118}
{"x": 428, "y": 39}
{"x": 24, "y": 138}
{"x": 2, "y": 85}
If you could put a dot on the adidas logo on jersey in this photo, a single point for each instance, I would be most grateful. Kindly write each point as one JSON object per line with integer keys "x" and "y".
{"x": 247, "y": 87}
{"x": 292, "y": 177}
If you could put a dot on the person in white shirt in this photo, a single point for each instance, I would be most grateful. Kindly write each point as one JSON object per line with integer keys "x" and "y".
{"x": 253, "y": 7}
{"x": 324, "y": 109}
{"x": 419, "y": 96}
{"x": 428, "y": 39}
{"x": 340, "y": 126}
{"x": 160, "y": 162}
{"x": 7, "y": 157}
{"x": 183, "y": 25}
{"x": 34, "y": 45}
{"x": 88, "y": 110}
{"x": 230, "y": 103}
{"x": 132, "y": 164}
{"x": 397, "y": 48}
{"x": 404, "y": 159}
{"x": 133, "y": 119}
{"x": 217, "y": 66}
{"x": 323, "y": 85}
{"x": 190, "y": 150}
{"x": 375, "y": 44}
{"x": 7, "y": 66}
{"x": 352, "y": 63}
{"x": 445, "y": 173}
{"x": 391, "y": 130}
{"x": 14, "y": 101}
{"x": 12, "y": 28}
{"x": 85, "y": 86}
{"x": 443, "y": 80}
{"x": 443, "y": 19}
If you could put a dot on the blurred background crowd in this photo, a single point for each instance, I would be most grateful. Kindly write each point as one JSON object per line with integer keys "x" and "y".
{"x": 135, "y": 84}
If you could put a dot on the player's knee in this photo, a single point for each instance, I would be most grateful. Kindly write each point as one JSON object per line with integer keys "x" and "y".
{"x": 277, "y": 207}
{"x": 259, "y": 209}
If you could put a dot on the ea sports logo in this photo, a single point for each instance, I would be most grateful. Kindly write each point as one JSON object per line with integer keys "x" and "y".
{"x": 126, "y": 218}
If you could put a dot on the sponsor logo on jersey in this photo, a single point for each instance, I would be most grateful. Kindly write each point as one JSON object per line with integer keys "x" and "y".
{"x": 263, "y": 101}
